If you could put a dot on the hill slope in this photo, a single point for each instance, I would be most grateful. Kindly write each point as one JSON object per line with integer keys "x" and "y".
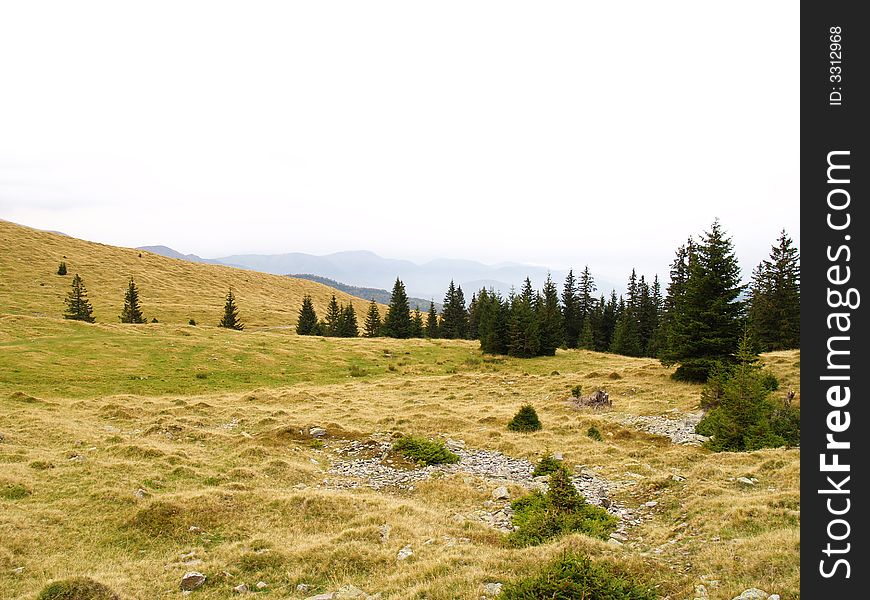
{"x": 367, "y": 293}
{"x": 171, "y": 290}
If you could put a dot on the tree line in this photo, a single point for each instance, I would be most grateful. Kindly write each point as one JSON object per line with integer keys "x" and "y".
{"x": 696, "y": 323}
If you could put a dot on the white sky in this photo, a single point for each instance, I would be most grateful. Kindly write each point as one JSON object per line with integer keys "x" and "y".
{"x": 555, "y": 133}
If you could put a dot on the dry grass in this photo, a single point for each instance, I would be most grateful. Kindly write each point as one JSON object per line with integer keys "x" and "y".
{"x": 221, "y": 454}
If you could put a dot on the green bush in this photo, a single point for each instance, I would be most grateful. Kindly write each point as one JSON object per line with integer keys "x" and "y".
{"x": 577, "y": 391}
{"x": 61, "y": 268}
{"x": 77, "y": 588}
{"x": 562, "y": 510}
{"x": 525, "y": 420}
{"x": 547, "y": 465}
{"x": 192, "y": 322}
{"x": 423, "y": 451}
{"x": 573, "y": 576}
{"x": 594, "y": 433}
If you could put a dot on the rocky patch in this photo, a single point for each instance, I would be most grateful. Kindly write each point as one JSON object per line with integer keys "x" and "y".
{"x": 680, "y": 427}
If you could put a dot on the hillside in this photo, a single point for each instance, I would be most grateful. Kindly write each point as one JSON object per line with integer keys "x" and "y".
{"x": 171, "y": 290}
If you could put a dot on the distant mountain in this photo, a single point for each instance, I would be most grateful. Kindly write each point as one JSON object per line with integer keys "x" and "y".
{"x": 170, "y": 253}
{"x": 367, "y": 270}
{"x": 366, "y": 293}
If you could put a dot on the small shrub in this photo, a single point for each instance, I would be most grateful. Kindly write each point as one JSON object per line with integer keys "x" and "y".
{"x": 192, "y": 322}
{"x": 769, "y": 381}
{"x": 41, "y": 465}
{"x": 357, "y": 371}
{"x": 562, "y": 510}
{"x": 201, "y": 375}
{"x": 547, "y": 465}
{"x": 14, "y": 491}
{"x": 577, "y": 391}
{"x": 525, "y": 420}
{"x": 574, "y": 576}
{"x": 61, "y": 268}
{"x": 154, "y": 320}
{"x": 594, "y": 433}
{"x": 77, "y": 588}
{"x": 423, "y": 451}
{"x": 614, "y": 376}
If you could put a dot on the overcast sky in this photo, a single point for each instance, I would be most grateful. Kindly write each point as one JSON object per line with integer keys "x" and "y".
{"x": 553, "y": 133}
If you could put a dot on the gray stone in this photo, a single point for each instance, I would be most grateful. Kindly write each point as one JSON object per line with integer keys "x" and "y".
{"x": 746, "y": 481}
{"x": 752, "y": 594}
{"x": 350, "y": 592}
{"x": 192, "y": 580}
{"x": 241, "y": 589}
{"x": 500, "y": 493}
{"x": 405, "y": 553}
{"x": 327, "y": 596}
{"x": 302, "y": 588}
{"x": 141, "y": 494}
{"x": 701, "y": 591}
{"x": 317, "y": 432}
{"x": 492, "y": 589}
{"x": 384, "y": 530}
{"x": 262, "y": 585}
{"x": 773, "y": 597}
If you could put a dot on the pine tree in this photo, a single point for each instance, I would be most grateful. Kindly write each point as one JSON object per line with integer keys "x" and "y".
{"x": 472, "y": 332}
{"x": 397, "y": 323}
{"x": 417, "y": 328}
{"x": 432, "y": 322}
{"x": 587, "y": 336}
{"x": 608, "y": 316}
{"x": 571, "y": 317}
{"x": 585, "y": 298}
{"x": 307, "y": 322}
{"x": 454, "y": 317}
{"x": 705, "y": 329}
{"x": 78, "y": 308}
{"x": 549, "y": 316}
{"x": 347, "y": 325}
{"x": 332, "y": 322}
{"x": 775, "y": 296}
{"x": 373, "y": 320}
{"x": 524, "y": 339}
{"x": 61, "y": 268}
{"x": 656, "y": 341}
{"x": 230, "y": 320}
{"x": 132, "y": 312}
{"x": 492, "y": 322}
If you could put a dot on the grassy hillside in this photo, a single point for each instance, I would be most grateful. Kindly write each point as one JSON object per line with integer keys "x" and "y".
{"x": 133, "y": 454}
{"x": 171, "y": 290}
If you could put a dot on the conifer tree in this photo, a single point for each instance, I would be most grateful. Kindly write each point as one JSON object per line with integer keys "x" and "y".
{"x": 307, "y": 323}
{"x": 608, "y": 316}
{"x": 61, "y": 268}
{"x": 585, "y": 296}
{"x": 373, "y": 320}
{"x": 571, "y": 314}
{"x": 524, "y": 339}
{"x": 417, "y": 328}
{"x": 347, "y": 324}
{"x": 587, "y": 336}
{"x": 775, "y": 296}
{"x": 332, "y": 322}
{"x": 454, "y": 317}
{"x": 132, "y": 312}
{"x": 78, "y": 308}
{"x": 397, "y": 323}
{"x": 492, "y": 322}
{"x": 472, "y": 332}
{"x": 432, "y": 322}
{"x": 231, "y": 320}
{"x": 705, "y": 329}
{"x": 549, "y": 316}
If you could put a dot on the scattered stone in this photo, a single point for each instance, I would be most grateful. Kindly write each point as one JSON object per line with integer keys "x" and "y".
{"x": 558, "y": 456}
{"x": 141, "y": 494}
{"x": 327, "y": 596}
{"x": 651, "y": 503}
{"x": 745, "y": 481}
{"x": 614, "y": 542}
{"x": 492, "y": 589}
{"x": 194, "y": 529}
{"x": 680, "y": 428}
{"x": 600, "y": 399}
{"x": 262, "y": 585}
{"x": 677, "y": 478}
{"x": 302, "y": 588}
{"x": 384, "y": 530}
{"x": 241, "y": 589}
{"x": 317, "y": 432}
{"x": 350, "y": 592}
{"x": 752, "y": 594}
{"x": 192, "y": 580}
{"x": 405, "y": 553}
{"x": 618, "y": 536}
{"x": 18, "y": 570}
{"x": 500, "y": 493}
{"x": 701, "y": 592}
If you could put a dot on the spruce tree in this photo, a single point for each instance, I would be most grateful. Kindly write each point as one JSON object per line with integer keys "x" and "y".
{"x": 432, "y": 322}
{"x": 78, "y": 308}
{"x": 472, "y": 332}
{"x": 417, "y": 328}
{"x": 705, "y": 329}
{"x": 524, "y": 339}
{"x": 132, "y": 312}
{"x": 397, "y": 323}
{"x": 549, "y": 320}
{"x": 372, "y": 326}
{"x": 775, "y": 296}
{"x": 307, "y": 322}
{"x": 609, "y": 315}
{"x": 492, "y": 322}
{"x": 571, "y": 317}
{"x": 231, "y": 320}
{"x": 585, "y": 296}
{"x": 454, "y": 317}
{"x": 347, "y": 324}
{"x": 332, "y": 322}
{"x": 61, "y": 268}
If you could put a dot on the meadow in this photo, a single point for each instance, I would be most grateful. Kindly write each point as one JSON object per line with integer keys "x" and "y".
{"x": 134, "y": 454}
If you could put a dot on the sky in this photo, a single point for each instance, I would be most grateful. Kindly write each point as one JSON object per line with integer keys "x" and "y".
{"x": 557, "y": 134}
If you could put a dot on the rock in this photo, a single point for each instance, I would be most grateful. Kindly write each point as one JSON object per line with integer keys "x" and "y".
{"x": 500, "y": 493}
{"x": 614, "y": 542}
{"x": 262, "y": 585}
{"x": 752, "y": 594}
{"x": 241, "y": 589}
{"x": 701, "y": 591}
{"x": 141, "y": 494}
{"x": 558, "y": 456}
{"x": 492, "y": 589}
{"x": 192, "y": 580}
{"x": 651, "y": 503}
{"x": 350, "y": 592}
{"x": 600, "y": 399}
{"x": 746, "y": 481}
{"x": 302, "y": 588}
{"x": 405, "y": 553}
{"x": 194, "y": 529}
{"x": 384, "y": 530}
{"x": 677, "y": 478}
{"x": 774, "y": 596}
{"x": 327, "y": 596}
{"x": 317, "y": 432}
{"x": 618, "y": 537}
{"x": 18, "y": 570}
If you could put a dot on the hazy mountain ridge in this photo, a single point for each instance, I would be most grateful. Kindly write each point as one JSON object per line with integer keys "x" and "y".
{"x": 366, "y": 293}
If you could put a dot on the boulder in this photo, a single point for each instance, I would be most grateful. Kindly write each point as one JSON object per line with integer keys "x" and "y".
{"x": 752, "y": 594}
{"x": 241, "y": 589}
{"x": 192, "y": 580}
{"x": 600, "y": 399}
{"x": 405, "y": 553}
{"x": 500, "y": 493}
{"x": 492, "y": 589}
{"x": 317, "y": 432}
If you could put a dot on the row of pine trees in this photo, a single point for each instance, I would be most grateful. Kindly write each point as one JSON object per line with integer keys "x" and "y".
{"x": 697, "y": 323}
